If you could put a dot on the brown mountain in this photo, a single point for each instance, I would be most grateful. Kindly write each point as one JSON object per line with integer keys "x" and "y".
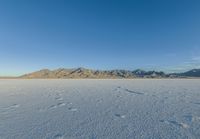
{"x": 100, "y": 74}
{"x": 78, "y": 73}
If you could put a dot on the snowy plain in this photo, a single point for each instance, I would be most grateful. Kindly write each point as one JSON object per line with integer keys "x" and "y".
{"x": 100, "y": 109}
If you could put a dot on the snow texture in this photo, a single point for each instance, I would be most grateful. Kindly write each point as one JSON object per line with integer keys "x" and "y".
{"x": 100, "y": 109}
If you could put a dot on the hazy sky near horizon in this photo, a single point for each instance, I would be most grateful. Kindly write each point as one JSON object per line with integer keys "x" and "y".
{"x": 99, "y": 34}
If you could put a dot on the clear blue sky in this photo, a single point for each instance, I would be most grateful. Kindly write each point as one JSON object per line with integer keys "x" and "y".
{"x": 99, "y": 34}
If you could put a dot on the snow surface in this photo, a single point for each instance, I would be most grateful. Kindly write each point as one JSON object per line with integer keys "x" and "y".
{"x": 100, "y": 109}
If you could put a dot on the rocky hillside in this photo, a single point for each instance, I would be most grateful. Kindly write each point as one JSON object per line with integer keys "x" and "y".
{"x": 88, "y": 73}
{"x": 101, "y": 74}
{"x": 190, "y": 73}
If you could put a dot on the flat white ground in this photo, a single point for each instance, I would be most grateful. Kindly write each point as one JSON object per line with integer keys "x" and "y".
{"x": 100, "y": 109}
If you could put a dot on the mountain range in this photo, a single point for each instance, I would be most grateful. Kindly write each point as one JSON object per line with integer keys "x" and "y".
{"x": 101, "y": 74}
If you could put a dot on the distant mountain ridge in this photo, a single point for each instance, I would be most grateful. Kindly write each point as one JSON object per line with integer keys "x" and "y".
{"x": 190, "y": 73}
{"x": 76, "y": 73}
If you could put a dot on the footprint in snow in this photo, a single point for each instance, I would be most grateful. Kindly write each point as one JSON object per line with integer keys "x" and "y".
{"x": 59, "y": 98}
{"x": 120, "y": 116}
{"x": 129, "y": 91}
{"x": 134, "y": 92}
{"x": 56, "y": 106}
{"x": 191, "y": 118}
{"x": 14, "y": 106}
{"x": 99, "y": 100}
{"x": 58, "y": 136}
{"x": 10, "y": 108}
{"x": 117, "y": 89}
{"x": 53, "y": 107}
{"x": 72, "y": 109}
{"x": 119, "y": 96}
{"x": 61, "y": 104}
{"x": 175, "y": 123}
